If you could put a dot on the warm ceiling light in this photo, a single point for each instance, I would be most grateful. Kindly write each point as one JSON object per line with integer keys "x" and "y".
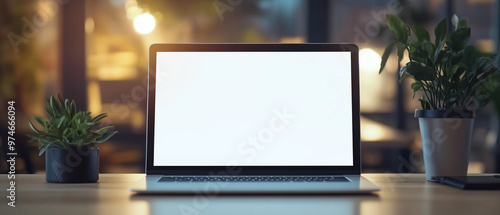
{"x": 369, "y": 61}
{"x": 144, "y": 23}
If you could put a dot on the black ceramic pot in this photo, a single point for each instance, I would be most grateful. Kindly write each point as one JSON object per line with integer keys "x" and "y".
{"x": 72, "y": 165}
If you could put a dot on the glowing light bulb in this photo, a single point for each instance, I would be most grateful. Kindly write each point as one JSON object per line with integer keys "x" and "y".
{"x": 144, "y": 23}
{"x": 369, "y": 61}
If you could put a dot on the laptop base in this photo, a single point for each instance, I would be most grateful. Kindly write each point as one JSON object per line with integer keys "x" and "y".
{"x": 151, "y": 185}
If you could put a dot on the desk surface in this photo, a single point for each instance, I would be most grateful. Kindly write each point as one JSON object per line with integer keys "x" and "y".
{"x": 400, "y": 194}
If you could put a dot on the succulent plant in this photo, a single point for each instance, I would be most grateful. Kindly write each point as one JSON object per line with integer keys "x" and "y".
{"x": 68, "y": 127}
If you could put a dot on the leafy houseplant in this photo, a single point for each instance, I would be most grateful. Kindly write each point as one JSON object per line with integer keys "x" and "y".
{"x": 454, "y": 79}
{"x": 69, "y": 138}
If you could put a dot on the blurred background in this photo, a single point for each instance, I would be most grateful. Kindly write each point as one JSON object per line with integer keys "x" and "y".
{"x": 96, "y": 52}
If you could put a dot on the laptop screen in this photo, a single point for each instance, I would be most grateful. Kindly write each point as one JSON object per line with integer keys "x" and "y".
{"x": 253, "y": 109}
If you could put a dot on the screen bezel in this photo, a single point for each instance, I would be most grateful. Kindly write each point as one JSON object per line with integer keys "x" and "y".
{"x": 253, "y": 170}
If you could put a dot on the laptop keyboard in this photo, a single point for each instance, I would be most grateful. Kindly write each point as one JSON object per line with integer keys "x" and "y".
{"x": 253, "y": 178}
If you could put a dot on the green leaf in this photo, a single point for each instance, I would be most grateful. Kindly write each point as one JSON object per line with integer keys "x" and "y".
{"x": 58, "y": 107}
{"x": 52, "y": 104}
{"x": 414, "y": 46}
{"x": 419, "y": 72}
{"x": 460, "y": 38}
{"x": 399, "y": 28}
{"x": 106, "y": 137}
{"x": 61, "y": 102}
{"x": 419, "y": 56}
{"x": 463, "y": 23}
{"x": 73, "y": 108}
{"x": 440, "y": 32}
{"x": 103, "y": 130}
{"x": 33, "y": 127}
{"x": 493, "y": 59}
{"x": 480, "y": 66}
{"x": 401, "y": 51}
{"x": 49, "y": 111}
{"x": 77, "y": 142}
{"x": 99, "y": 117}
{"x": 66, "y": 104}
{"x": 66, "y": 132}
{"x": 385, "y": 56}
{"x": 59, "y": 121}
{"x": 422, "y": 34}
{"x": 43, "y": 149}
{"x": 429, "y": 48}
{"x": 438, "y": 55}
{"x": 40, "y": 121}
{"x": 415, "y": 86}
{"x": 470, "y": 56}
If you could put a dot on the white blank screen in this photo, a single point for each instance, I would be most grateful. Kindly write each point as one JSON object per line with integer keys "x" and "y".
{"x": 253, "y": 109}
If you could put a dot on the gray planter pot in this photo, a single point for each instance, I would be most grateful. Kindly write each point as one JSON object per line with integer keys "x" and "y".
{"x": 446, "y": 140}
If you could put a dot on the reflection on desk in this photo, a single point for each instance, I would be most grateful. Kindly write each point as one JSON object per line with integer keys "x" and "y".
{"x": 400, "y": 194}
{"x": 251, "y": 204}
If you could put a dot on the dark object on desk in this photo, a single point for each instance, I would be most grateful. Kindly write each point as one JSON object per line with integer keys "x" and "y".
{"x": 72, "y": 165}
{"x": 471, "y": 182}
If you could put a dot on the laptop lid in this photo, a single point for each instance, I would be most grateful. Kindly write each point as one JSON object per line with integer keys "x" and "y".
{"x": 253, "y": 109}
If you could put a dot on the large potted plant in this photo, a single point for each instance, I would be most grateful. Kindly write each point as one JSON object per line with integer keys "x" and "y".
{"x": 69, "y": 138}
{"x": 453, "y": 78}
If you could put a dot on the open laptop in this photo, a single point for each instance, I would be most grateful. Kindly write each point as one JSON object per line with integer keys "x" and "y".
{"x": 253, "y": 119}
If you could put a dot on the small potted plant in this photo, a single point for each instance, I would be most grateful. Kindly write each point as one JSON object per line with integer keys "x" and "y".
{"x": 454, "y": 79}
{"x": 69, "y": 138}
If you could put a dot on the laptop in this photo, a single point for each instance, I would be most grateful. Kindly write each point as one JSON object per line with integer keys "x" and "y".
{"x": 253, "y": 119}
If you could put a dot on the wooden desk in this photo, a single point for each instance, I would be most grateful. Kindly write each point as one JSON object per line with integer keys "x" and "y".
{"x": 400, "y": 194}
